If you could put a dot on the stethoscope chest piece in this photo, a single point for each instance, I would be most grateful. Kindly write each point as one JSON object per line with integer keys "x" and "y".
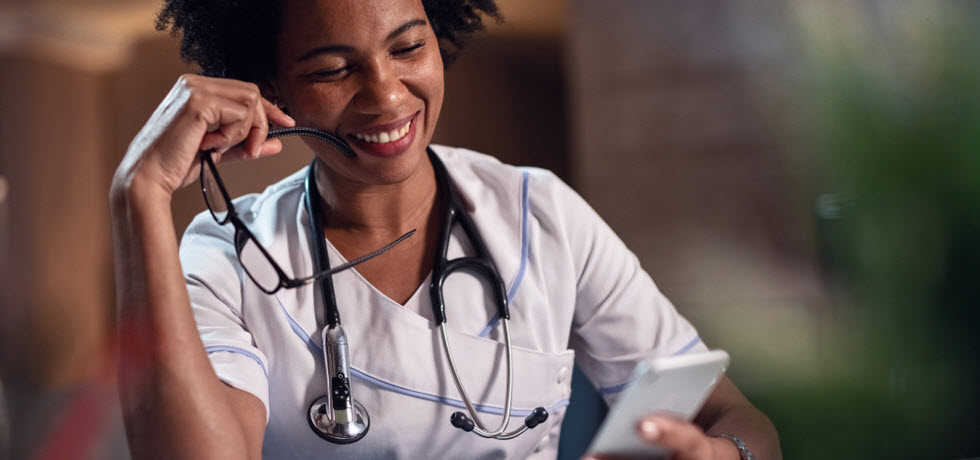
{"x": 335, "y": 429}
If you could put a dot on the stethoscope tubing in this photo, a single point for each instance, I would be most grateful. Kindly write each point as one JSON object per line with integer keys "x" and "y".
{"x": 442, "y": 268}
{"x": 481, "y": 428}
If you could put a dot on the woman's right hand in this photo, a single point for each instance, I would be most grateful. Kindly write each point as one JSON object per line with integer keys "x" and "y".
{"x": 199, "y": 113}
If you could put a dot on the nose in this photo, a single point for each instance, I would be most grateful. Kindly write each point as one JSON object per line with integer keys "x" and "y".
{"x": 382, "y": 90}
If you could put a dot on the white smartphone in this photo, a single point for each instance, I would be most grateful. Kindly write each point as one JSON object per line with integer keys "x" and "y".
{"x": 675, "y": 385}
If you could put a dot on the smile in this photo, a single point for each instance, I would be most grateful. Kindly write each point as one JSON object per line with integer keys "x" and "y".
{"x": 385, "y": 136}
{"x": 386, "y": 140}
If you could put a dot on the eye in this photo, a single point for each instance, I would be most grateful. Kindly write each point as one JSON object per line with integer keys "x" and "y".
{"x": 330, "y": 74}
{"x": 407, "y": 50}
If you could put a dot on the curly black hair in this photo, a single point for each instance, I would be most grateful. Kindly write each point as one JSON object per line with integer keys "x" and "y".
{"x": 233, "y": 38}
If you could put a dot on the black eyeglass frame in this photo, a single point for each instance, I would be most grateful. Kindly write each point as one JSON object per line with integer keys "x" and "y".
{"x": 243, "y": 234}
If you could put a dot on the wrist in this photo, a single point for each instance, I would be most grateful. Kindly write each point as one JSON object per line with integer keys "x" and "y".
{"x": 727, "y": 446}
{"x": 130, "y": 189}
{"x": 723, "y": 449}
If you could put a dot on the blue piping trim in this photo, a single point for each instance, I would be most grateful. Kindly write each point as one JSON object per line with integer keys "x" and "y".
{"x": 524, "y": 250}
{"x": 615, "y": 388}
{"x": 231, "y": 349}
{"x": 688, "y": 347}
{"x": 618, "y": 388}
{"x": 495, "y": 410}
{"x": 317, "y": 351}
{"x": 399, "y": 389}
{"x": 491, "y": 325}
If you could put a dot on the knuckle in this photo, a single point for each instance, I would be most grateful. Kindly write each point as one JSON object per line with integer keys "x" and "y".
{"x": 252, "y": 99}
{"x": 198, "y": 107}
{"x": 188, "y": 80}
{"x": 194, "y": 98}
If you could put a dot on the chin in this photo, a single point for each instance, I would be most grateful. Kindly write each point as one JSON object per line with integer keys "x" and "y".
{"x": 391, "y": 171}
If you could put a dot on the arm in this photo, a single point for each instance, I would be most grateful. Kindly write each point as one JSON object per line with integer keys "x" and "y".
{"x": 174, "y": 406}
{"x": 727, "y": 411}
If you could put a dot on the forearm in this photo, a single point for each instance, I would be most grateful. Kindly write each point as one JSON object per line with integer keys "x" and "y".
{"x": 735, "y": 415}
{"x": 752, "y": 427}
{"x": 173, "y": 403}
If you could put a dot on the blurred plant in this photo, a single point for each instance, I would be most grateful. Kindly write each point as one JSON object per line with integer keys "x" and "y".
{"x": 894, "y": 125}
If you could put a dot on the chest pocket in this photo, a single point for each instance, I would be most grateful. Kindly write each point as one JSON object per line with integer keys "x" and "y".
{"x": 404, "y": 379}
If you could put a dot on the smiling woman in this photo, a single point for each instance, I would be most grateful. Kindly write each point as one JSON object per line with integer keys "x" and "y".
{"x": 222, "y": 368}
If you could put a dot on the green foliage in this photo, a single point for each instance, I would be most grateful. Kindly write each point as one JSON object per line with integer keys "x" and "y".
{"x": 896, "y": 129}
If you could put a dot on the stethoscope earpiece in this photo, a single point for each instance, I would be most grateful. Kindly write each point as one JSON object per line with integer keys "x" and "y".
{"x": 538, "y": 416}
{"x": 461, "y": 421}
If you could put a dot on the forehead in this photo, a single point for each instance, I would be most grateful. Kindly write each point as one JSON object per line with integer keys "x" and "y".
{"x": 351, "y": 22}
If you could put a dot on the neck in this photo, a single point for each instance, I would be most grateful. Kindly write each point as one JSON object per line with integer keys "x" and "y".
{"x": 377, "y": 209}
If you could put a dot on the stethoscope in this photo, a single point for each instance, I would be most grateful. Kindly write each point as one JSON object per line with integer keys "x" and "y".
{"x": 337, "y": 417}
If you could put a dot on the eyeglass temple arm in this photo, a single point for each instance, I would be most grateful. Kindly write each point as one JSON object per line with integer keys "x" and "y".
{"x": 352, "y": 263}
{"x": 325, "y": 136}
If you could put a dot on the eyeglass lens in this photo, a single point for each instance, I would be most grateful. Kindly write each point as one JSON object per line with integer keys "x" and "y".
{"x": 256, "y": 264}
{"x": 213, "y": 197}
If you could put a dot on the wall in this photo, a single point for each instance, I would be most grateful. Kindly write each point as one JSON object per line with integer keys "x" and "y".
{"x": 682, "y": 132}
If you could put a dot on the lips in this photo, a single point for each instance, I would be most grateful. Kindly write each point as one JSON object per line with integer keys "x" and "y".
{"x": 386, "y": 140}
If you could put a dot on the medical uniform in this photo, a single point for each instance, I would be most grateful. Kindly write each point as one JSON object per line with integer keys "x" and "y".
{"x": 572, "y": 285}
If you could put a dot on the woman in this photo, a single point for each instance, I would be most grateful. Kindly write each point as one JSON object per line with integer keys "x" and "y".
{"x": 216, "y": 368}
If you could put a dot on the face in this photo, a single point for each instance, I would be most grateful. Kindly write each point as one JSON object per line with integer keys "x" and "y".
{"x": 367, "y": 70}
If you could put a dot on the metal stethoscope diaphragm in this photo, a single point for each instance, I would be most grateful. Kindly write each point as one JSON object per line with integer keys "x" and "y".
{"x": 336, "y": 416}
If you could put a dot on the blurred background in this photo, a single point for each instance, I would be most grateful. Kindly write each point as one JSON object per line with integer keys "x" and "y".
{"x": 801, "y": 178}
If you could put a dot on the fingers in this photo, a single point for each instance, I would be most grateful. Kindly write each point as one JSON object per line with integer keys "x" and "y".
{"x": 256, "y": 145}
{"x": 237, "y": 118}
{"x": 258, "y": 131}
{"x": 277, "y": 116}
{"x": 686, "y": 440}
{"x": 269, "y": 147}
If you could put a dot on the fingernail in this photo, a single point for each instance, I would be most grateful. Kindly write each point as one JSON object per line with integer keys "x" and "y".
{"x": 649, "y": 430}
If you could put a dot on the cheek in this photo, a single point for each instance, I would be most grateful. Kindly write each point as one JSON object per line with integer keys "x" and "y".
{"x": 433, "y": 86}
{"x": 318, "y": 106}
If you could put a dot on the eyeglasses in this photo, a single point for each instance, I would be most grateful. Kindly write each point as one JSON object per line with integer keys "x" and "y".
{"x": 258, "y": 264}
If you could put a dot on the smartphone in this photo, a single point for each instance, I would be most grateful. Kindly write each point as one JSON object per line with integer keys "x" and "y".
{"x": 675, "y": 386}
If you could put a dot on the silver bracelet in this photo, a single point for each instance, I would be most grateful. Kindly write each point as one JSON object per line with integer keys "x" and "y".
{"x": 743, "y": 451}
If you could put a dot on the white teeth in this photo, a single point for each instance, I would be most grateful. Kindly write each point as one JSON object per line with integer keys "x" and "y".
{"x": 383, "y": 138}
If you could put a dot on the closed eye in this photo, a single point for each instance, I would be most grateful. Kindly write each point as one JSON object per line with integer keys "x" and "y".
{"x": 326, "y": 74}
{"x": 408, "y": 49}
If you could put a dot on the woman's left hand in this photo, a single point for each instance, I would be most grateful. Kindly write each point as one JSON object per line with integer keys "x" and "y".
{"x": 686, "y": 440}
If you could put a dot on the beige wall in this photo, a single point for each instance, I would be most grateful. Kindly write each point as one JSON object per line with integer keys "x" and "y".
{"x": 682, "y": 117}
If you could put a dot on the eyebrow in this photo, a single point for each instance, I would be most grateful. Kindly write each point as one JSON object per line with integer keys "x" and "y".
{"x": 347, "y": 48}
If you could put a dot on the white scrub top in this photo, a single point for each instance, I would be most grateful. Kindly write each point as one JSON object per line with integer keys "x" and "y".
{"x": 577, "y": 294}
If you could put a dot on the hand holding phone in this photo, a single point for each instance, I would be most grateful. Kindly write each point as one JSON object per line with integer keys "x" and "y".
{"x": 676, "y": 386}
